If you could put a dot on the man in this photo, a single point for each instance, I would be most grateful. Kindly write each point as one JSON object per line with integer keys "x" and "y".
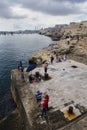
{"x": 51, "y": 59}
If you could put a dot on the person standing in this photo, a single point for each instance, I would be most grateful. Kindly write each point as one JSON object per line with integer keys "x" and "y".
{"x": 47, "y": 100}
{"x": 51, "y": 59}
{"x": 44, "y": 108}
{"x": 45, "y": 71}
{"x": 45, "y": 67}
{"x": 20, "y": 62}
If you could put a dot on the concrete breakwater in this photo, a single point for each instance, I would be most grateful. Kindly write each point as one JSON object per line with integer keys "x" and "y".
{"x": 25, "y": 101}
{"x": 66, "y": 87}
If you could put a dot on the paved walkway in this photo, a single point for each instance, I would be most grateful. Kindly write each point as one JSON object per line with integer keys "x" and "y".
{"x": 67, "y": 86}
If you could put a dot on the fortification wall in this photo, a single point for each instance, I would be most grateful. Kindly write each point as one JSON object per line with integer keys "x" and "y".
{"x": 16, "y": 95}
{"x": 25, "y": 101}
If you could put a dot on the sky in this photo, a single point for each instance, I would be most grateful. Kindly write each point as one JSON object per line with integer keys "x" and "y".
{"x": 36, "y": 14}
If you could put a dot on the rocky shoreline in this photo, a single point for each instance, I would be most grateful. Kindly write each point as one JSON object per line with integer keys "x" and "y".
{"x": 72, "y": 42}
{"x": 75, "y": 50}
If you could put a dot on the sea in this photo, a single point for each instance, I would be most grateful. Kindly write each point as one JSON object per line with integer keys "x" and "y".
{"x": 12, "y": 49}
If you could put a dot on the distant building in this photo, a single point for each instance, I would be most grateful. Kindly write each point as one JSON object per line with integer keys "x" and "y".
{"x": 72, "y": 23}
{"x": 61, "y": 25}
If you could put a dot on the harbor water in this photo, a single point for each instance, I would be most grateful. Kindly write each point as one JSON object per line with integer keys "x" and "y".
{"x": 12, "y": 49}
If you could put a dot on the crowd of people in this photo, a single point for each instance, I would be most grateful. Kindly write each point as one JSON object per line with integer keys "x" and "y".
{"x": 56, "y": 58}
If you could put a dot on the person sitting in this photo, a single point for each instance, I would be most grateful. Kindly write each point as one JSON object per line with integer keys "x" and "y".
{"x": 65, "y": 57}
{"x": 58, "y": 60}
{"x": 31, "y": 78}
{"x": 38, "y": 96}
{"x": 39, "y": 61}
{"x": 38, "y": 77}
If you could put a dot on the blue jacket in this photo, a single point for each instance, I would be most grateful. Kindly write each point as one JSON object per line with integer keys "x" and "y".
{"x": 38, "y": 95}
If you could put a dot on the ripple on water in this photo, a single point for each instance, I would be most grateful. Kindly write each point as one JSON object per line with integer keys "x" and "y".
{"x": 12, "y": 49}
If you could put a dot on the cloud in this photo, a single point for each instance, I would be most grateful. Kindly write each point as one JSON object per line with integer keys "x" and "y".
{"x": 51, "y": 7}
{"x": 54, "y": 7}
{"x": 31, "y": 13}
{"x": 72, "y": 1}
{"x": 6, "y": 11}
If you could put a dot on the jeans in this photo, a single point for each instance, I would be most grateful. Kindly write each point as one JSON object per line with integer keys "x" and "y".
{"x": 43, "y": 112}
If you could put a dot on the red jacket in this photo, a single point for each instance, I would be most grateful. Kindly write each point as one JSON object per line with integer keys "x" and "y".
{"x": 44, "y": 104}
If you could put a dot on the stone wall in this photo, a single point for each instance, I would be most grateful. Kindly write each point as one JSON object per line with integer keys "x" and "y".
{"x": 15, "y": 93}
{"x": 26, "y": 103}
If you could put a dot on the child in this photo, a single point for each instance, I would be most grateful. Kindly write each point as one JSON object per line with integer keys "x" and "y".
{"x": 38, "y": 96}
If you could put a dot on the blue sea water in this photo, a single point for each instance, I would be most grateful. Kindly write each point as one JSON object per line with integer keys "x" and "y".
{"x": 12, "y": 49}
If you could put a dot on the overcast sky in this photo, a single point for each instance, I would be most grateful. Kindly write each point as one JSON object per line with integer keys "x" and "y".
{"x": 31, "y": 14}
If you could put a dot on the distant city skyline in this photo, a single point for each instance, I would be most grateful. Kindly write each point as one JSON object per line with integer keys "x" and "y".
{"x": 31, "y": 14}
